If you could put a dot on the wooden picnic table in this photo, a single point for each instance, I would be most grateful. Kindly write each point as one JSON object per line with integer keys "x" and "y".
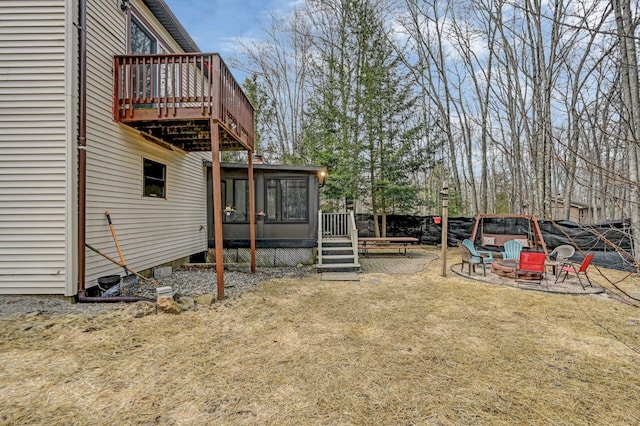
{"x": 374, "y": 243}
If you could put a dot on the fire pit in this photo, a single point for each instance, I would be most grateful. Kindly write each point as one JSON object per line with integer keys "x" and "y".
{"x": 505, "y": 268}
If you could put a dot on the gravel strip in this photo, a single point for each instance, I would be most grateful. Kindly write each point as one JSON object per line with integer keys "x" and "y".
{"x": 197, "y": 280}
{"x": 182, "y": 282}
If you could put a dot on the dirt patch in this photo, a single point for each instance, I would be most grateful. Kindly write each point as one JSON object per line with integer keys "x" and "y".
{"x": 395, "y": 349}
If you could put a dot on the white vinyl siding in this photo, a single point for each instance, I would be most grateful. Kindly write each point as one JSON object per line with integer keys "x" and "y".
{"x": 38, "y": 155}
{"x": 35, "y": 173}
{"x": 151, "y": 231}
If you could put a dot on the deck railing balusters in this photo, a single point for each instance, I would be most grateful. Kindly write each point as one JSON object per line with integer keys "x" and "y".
{"x": 336, "y": 224}
{"x": 172, "y": 85}
{"x": 320, "y": 236}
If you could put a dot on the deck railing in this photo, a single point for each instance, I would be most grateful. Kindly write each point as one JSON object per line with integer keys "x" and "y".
{"x": 353, "y": 232}
{"x": 180, "y": 86}
{"x": 337, "y": 225}
{"x": 320, "y": 237}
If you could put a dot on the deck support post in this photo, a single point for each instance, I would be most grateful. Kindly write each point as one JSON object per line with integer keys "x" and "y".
{"x": 217, "y": 205}
{"x": 252, "y": 212}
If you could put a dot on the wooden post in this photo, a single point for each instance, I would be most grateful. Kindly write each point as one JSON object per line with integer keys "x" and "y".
{"x": 444, "y": 195}
{"x": 537, "y": 232}
{"x": 252, "y": 213}
{"x": 217, "y": 205}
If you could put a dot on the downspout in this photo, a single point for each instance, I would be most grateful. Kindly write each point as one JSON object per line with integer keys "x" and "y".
{"x": 82, "y": 145}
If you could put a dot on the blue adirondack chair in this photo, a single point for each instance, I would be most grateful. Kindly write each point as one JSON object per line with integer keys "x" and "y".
{"x": 486, "y": 256}
{"x": 471, "y": 260}
{"x": 512, "y": 249}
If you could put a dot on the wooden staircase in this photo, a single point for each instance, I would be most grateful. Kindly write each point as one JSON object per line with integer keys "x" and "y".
{"x": 337, "y": 243}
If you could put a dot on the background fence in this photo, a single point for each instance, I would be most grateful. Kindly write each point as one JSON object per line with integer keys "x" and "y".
{"x": 606, "y": 240}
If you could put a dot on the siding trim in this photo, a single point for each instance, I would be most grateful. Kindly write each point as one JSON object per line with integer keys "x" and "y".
{"x": 71, "y": 103}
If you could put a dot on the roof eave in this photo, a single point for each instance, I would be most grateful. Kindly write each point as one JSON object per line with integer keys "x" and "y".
{"x": 165, "y": 16}
{"x": 270, "y": 167}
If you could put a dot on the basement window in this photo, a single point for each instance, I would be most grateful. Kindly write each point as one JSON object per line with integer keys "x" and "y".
{"x": 155, "y": 179}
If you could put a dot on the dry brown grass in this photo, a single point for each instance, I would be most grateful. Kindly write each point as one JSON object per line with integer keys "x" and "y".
{"x": 416, "y": 349}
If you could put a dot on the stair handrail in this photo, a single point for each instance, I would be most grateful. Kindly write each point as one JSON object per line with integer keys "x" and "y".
{"x": 353, "y": 233}
{"x": 320, "y": 233}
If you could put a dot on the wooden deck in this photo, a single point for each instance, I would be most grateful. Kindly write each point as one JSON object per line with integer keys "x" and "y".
{"x": 178, "y": 98}
{"x": 189, "y": 102}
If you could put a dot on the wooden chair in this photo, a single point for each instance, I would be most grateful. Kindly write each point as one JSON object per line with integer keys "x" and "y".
{"x": 574, "y": 268}
{"x": 512, "y": 249}
{"x": 531, "y": 267}
{"x": 471, "y": 260}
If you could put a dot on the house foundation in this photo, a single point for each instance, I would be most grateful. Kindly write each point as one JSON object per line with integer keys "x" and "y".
{"x": 268, "y": 256}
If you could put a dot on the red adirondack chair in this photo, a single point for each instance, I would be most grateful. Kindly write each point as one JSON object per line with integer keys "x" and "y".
{"x": 531, "y": 266}
{"x": 578, "y": 270}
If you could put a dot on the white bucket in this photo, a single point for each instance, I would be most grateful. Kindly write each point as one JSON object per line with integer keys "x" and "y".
{"x": 164, "y": 292}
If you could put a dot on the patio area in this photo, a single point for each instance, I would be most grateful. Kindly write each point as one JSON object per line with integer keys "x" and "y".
{"x": 394, "y": 264}
{"x": 548, "y": 285}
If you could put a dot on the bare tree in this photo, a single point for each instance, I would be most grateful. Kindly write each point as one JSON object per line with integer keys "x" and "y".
{"x": 425, "y": 23}
{"x": 524, "y": 103}
{"x": 630, "y": 86}
{"x": 280, "y": 63}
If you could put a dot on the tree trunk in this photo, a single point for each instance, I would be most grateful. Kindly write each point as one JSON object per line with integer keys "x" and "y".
{"x": 630, "y": 84}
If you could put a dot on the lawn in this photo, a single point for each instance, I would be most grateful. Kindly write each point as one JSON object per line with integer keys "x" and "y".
{"x": 395, "y": 350}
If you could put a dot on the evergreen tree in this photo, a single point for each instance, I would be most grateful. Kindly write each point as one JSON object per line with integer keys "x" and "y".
{"x": 360, "y": 122}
